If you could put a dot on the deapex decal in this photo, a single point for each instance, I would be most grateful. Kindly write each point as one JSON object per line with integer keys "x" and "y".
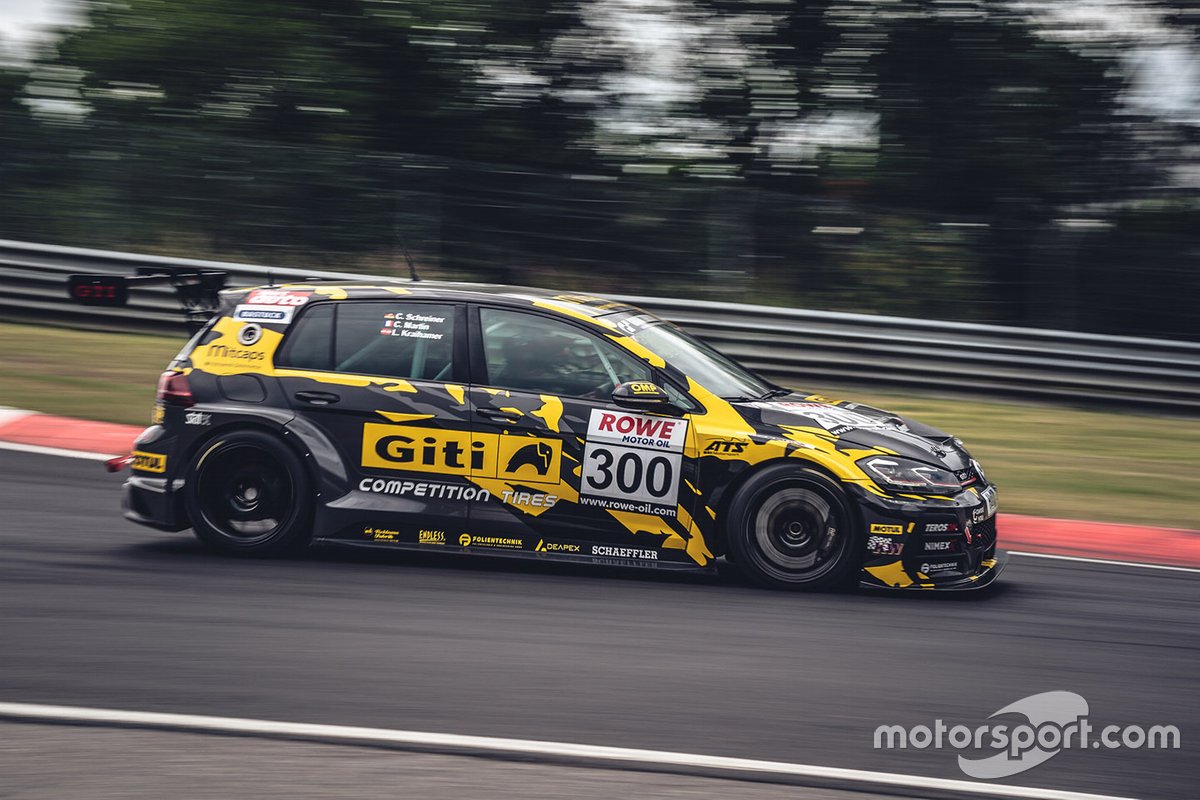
{"x": 557, "y": 547}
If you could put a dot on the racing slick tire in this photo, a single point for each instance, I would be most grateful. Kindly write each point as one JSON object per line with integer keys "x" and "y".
{"x": 792, "y": 527}
{"x": 248, "y": 494}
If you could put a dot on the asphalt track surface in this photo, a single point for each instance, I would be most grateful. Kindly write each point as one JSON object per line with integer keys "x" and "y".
{"x": 95, "y": 611}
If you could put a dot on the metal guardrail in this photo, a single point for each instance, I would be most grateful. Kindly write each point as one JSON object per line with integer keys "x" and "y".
{"x": 794, "y": 347}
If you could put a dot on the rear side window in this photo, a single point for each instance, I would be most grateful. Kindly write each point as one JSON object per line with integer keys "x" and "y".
{"x": 396, "y": 340}
{"x": 310, "y": 342}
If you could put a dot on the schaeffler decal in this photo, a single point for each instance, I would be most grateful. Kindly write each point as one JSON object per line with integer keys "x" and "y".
{"x": 632, "y": 462}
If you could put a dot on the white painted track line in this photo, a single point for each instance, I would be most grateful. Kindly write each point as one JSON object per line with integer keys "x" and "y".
{"x": 525, "y": 749}
{"x": 1086, "y": 560}
{"x": 54, "y": 451}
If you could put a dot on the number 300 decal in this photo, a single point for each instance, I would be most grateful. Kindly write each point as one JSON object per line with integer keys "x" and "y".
{"x": 633, "y": 475}
{"x": 632, "y": 462}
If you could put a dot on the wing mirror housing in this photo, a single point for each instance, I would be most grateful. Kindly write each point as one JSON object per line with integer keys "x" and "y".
{"x": 644, "y": 396}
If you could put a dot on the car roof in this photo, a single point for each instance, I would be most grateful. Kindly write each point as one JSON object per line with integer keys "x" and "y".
{"x": 454, "y": 291}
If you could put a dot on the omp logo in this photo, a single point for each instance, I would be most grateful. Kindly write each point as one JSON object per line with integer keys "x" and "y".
{"x": 536, "y": 455}
{"x": 644, "y": 388}
{"x": 449, "y": 452}
{"x": 149, "y": 462}
{"x": 725, "y": 447}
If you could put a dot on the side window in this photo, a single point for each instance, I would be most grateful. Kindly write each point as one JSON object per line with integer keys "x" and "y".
{"x": 395, "y": 340}
{"x": 533, "y": 353}
{"x": 309, "y": 343}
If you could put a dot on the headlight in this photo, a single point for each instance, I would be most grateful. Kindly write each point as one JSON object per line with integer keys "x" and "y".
{"x": 906, "y": 475}
{"x": 979, "y": 470}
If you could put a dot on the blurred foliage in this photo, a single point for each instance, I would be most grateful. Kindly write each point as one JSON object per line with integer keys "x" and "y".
{"x": 967, "y": 159}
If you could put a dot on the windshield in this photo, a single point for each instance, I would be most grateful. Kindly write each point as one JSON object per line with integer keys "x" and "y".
{"x": 695, "y": 359}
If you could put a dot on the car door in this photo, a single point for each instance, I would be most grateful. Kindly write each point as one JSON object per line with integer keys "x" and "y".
{"x": 572, "y": 474}
{"x": 384, "y": 382}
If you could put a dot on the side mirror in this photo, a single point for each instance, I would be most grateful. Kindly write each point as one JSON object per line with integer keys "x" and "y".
{"x": 643, "y": 396}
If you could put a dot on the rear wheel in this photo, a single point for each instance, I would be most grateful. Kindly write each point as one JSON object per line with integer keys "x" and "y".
{"x": 791, "y": 527}
{"x": 248, "y": 494}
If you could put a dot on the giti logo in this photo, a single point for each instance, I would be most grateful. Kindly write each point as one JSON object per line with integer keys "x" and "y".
{"x": 149, "y": 462}
{"x": 726, "y": 447}
{"x": 449, "y": 452}
{"x": 537, "y": 455}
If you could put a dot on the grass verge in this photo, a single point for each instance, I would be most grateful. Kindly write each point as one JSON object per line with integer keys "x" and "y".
{"x": 1048, "y": 460}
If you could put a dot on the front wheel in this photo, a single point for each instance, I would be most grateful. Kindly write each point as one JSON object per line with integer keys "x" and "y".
{"x": 248, "y": 494}
{"x": 791, "y": 527}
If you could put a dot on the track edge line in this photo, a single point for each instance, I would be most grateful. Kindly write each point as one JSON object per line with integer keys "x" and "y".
{"x": 608, "y": 757}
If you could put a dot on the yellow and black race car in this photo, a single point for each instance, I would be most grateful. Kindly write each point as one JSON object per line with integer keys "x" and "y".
{"x": 516, "y": 422}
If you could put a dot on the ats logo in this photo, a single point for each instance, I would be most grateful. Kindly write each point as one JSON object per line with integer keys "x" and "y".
{"x": 448, "y": 452}
{"x": 725, "y": 447}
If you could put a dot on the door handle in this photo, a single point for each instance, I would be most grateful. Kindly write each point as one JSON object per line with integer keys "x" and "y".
{"x": 318, "y": 398}
{"x": 497, "y": 415}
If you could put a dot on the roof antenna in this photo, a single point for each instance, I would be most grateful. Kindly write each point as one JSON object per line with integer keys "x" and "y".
{"x": 270, "y": 278}
{"x": 412, "y": 267}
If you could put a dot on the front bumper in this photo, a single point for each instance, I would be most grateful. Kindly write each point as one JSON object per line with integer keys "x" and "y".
{"x": 945, "y": 543}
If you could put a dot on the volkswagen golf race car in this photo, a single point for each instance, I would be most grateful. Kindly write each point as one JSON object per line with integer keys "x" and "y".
{"x": 527, "y": 424}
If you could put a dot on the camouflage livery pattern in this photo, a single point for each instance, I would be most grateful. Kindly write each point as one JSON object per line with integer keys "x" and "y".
{"x": 452, "y": 463}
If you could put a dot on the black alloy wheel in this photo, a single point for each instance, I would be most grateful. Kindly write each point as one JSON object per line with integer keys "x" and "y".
{"x": 248, "y": 494}
{"x": 791, "y": 527}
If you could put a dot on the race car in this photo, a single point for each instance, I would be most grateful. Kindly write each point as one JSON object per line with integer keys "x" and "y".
{"x": 531, "y": 424}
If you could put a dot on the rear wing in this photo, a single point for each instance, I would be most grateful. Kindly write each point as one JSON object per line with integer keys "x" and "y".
{"x": 197, "y": 290}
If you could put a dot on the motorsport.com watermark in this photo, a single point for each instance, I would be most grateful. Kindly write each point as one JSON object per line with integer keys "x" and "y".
{"x": 1055, "y": 721}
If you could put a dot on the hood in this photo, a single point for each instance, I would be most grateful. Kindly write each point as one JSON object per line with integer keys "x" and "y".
{"x": 859, "y": 425}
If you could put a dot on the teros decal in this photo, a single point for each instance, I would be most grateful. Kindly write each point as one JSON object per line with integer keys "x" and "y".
{"x": 528, "y": 459}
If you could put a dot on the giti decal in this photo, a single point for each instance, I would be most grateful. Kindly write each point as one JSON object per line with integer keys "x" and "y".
{"x": 529, "y": 459}
{"x": 149, "y": 462}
